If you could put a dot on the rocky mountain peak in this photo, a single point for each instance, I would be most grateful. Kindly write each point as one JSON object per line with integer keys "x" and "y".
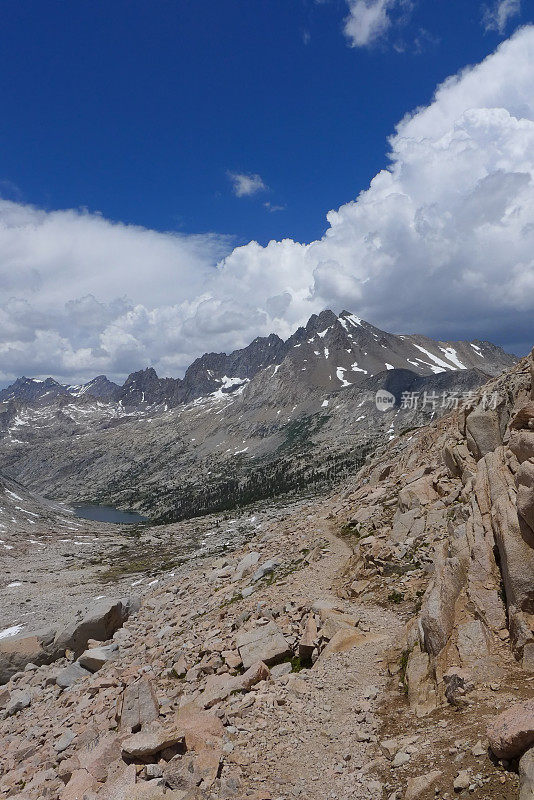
{"x": 32, "y": 390}
{"x": 338, "y": 351}
{"x": 144, "y": 386}
{"x": 218, "y": 371}
{"x": 318, "y": 322}
{"x": 143, "y": 375}
{"x": 100, "y": 388}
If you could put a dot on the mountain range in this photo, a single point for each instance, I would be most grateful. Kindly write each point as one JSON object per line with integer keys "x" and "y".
{"x": 272, "y": 417}
{"x": 333, "y": 351}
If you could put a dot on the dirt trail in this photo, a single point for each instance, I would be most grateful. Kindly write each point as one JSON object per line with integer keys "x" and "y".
{"x": 321, "y": 741}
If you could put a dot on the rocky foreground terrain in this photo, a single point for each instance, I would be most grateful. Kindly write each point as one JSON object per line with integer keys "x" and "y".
{"x": 374, "y": 642}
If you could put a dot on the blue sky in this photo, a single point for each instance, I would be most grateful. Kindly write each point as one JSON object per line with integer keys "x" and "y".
{"x": 139, "y": 109}
{"x": 180, "y": 176}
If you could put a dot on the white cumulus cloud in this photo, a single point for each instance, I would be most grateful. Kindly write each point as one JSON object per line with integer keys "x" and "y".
{"x": 441, "y": 242}
{"x": 244, "y": 185}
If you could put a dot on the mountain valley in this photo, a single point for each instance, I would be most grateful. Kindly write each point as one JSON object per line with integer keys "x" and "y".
{"x": 271, "y": 418}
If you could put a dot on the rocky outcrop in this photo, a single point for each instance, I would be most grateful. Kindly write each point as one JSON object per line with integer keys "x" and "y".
{"x": 266, "y": 644}
{"x": 521, "y": 444}
{"x": 524, "y": 418}
{"x": 512, "y": 732}
{"x": 473, "y": 507}
{"x": 99, "y": 621}
{"x": 483, "y": 430}
{"x": 525, "y": 496}
{"x": 482, "y": 591}
{"x": 439, "y": 607}
{"x": 16, "y": 652}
